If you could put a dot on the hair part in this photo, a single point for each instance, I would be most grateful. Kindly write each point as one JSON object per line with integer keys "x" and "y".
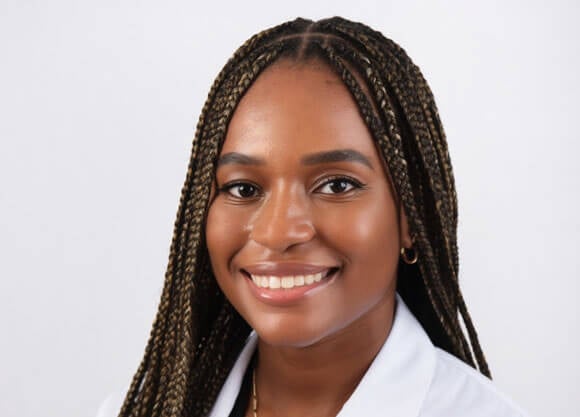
{"x": 197, "y": 334}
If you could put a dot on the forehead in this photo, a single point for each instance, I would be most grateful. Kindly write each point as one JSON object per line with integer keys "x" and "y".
{"x": 294, "y": 109}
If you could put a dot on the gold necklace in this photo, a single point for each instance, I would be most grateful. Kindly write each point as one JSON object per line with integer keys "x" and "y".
{"x": 254, "y": 395}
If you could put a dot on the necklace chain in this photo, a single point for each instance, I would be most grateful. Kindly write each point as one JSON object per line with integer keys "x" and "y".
{"x": 254, "y": 394}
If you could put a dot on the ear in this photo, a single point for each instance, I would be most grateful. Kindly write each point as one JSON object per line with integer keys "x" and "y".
{"x": 405, "y": 236}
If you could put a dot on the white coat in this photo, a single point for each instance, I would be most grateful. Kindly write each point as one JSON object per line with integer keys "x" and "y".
{"x": 409, "y": 377}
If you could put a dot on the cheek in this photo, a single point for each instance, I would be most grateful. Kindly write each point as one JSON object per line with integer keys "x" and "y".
{"x": 367, "y": 234}
{"x": 224, "y": 236}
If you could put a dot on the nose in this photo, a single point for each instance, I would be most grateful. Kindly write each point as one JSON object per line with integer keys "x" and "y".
{"x": 283, "y": 220}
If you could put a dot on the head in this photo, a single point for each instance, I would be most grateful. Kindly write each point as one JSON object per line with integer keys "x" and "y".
{"x": 319, "y": 142}
{"x": 301, "y": 189}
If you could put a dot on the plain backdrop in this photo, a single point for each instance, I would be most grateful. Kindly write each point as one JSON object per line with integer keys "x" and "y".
{"x": 98, "y": 104}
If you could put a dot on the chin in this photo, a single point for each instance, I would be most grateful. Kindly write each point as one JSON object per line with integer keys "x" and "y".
{"x": 296, "y": 339}
{"x": 294, "y": 334}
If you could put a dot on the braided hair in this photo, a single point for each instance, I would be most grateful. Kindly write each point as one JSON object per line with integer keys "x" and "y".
{"x": 197, "y": 334}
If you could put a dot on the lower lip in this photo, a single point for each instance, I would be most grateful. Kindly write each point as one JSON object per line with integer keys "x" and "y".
{"x": 287, "y": 296}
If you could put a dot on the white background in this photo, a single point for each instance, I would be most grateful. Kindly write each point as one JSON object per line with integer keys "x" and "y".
{"x": 98, "y": 103}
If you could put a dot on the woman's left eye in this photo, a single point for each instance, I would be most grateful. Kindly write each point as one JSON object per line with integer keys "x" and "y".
{"x": 339, "y": 185}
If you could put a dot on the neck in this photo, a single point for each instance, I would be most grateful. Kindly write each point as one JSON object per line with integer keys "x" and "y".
{"x": 318, "y": 379}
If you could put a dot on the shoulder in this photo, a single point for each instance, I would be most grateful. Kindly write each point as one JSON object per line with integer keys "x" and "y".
{"x": 459, "y": 390}
{"x": 111, "y": 406}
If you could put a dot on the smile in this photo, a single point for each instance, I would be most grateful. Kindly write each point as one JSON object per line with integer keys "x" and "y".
{"x": 286, "y": 282}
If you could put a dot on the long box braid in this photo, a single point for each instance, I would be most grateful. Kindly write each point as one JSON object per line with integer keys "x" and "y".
{"x": 197, "y": 335}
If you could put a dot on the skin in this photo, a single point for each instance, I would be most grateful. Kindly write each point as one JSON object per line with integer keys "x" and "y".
{"x": 279, "y": 206}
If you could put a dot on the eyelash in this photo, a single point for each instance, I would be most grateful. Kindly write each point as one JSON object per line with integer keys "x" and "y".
{"x": 230, "y": 186}
{"x": 355, "y": 184}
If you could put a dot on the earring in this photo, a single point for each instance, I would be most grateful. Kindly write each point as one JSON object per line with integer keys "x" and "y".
{"x": 405, "y": 256}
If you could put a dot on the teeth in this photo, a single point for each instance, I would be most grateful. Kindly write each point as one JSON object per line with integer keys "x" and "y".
{"x": 274, "y": 282}
{"x": 286, "y": 282}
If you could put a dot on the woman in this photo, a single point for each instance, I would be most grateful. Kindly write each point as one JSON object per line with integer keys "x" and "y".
{"x": 313, "y": 268}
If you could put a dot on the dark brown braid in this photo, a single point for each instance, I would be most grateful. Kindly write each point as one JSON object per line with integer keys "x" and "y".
{"x": 197, "y": 335}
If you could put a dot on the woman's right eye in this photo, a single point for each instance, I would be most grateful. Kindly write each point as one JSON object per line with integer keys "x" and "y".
{"x": 240, "y": 190}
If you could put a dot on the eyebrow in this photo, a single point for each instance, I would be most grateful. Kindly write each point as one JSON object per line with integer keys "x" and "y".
{"x": 239, "y": 159}
{"x": 339, "y": 155}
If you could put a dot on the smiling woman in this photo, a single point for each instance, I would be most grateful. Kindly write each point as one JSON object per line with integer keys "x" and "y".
{"x": 304, "y": 232}
{"x": 313, "y": 269}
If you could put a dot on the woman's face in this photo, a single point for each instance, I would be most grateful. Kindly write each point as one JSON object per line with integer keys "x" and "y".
{"x": 304, "y": 232}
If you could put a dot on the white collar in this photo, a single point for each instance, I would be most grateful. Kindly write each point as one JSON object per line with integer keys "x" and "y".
{"x": 395, "y": 384}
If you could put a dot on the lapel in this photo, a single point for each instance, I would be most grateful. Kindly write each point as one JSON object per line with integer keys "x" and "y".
{"x": 395, "y": 384}
{"x": 398, "y": 380}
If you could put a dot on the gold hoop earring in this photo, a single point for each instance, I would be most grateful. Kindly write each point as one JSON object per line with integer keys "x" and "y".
{"x": 405, "y": 256}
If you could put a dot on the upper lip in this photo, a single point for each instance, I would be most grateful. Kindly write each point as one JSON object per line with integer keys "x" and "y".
{"x": 285, "y": 269}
